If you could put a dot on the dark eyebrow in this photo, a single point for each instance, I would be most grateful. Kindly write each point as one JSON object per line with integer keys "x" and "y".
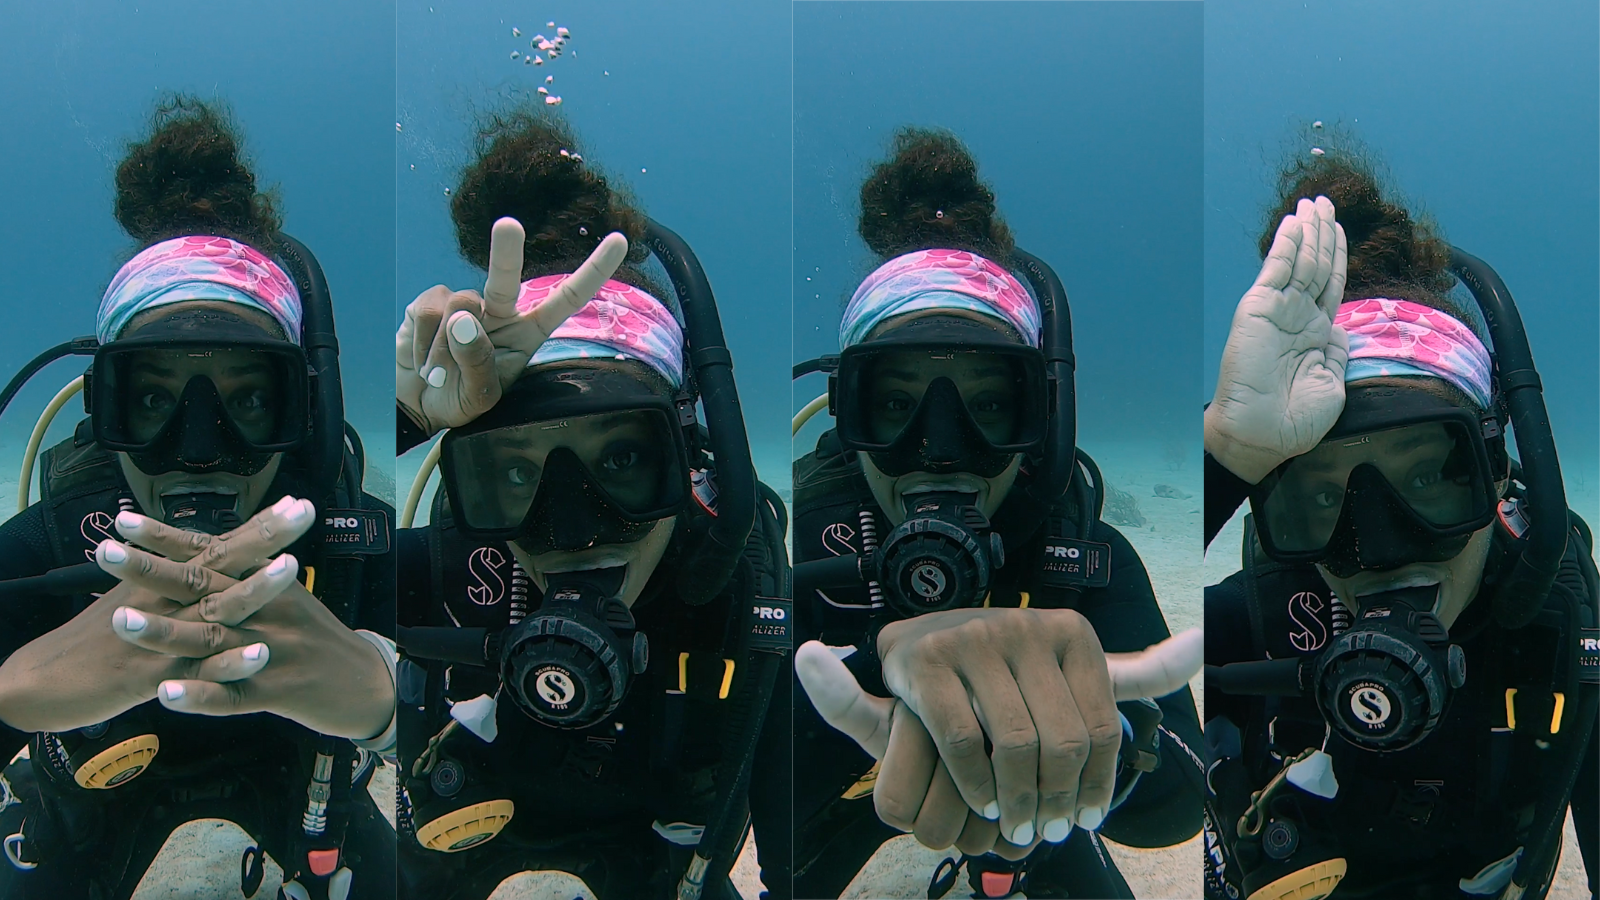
{"x": 152, "y": 368}
{"x": 247, "y": 369}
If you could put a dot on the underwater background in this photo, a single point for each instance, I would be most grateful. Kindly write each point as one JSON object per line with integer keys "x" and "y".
{"x": 686, "y": 105}
{"x": 1085, "y": 121}
{"x": 312, "y": 101}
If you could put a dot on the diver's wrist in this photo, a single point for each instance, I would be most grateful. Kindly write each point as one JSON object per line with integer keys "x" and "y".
{"x": 384, "y": 740}
{"x": 1250, "y": 464}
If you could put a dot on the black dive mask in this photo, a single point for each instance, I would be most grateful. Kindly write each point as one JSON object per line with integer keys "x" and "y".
{"x": 569, "y": 460}
{"x": 199, "y": 391}
{"x": 1403, "y": 477}
{"x": 569, "y": 663}
{"x": 886, "y": 405}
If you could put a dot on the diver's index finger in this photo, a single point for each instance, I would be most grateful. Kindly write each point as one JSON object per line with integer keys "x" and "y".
{"x": 505, "y": 268}
{"x": 582, "y": 285}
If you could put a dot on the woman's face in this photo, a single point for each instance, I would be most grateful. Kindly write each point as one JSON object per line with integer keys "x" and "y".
{"x": 1424, "y": 465}
{"x": 987, "y": 392}
{"x": 245, "y": 387}
{"x": 628, "y": 455}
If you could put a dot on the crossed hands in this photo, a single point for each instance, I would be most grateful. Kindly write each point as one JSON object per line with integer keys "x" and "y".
{"x": 209, "y": 625}
{"x": 1034, "y": 683}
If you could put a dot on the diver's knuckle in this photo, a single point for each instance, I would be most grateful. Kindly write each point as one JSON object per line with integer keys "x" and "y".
{"x": 963, "y": 740}
{"x": 1017, "y": 739}
{"x": 1105, "y": 734}
{"x": 213, "y": 636}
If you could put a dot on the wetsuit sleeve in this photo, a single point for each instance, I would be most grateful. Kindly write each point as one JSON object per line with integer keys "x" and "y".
{"x": 1164, "y": 809}
{"x": 1225, "y": 493}
{"x": 772, "y": 790}
{"x": 407, "y": 434}
{"x": 24, "y": 553}
{"x": 1227, "y": 641}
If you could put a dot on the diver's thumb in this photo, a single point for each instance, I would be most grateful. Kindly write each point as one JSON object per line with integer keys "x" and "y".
{"x": 840, "y": 700}
{"x": 1159, "y": 669}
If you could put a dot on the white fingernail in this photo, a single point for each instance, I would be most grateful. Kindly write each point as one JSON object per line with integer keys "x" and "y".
{"x": 1056, "y": 830}
{"x": 255, "y": 652}
{"x": 128, "y": 521}
{"x": 299, "y": 512}
{"x": 283, "y": 505}
{"x": 131, "y": 619}
{"x": 991, "y": 811}
{"x": 1023, "y": 834}
{"x": 172, "y": 690}
{"x": 113, "y": 551}
{"x": 464, "y": 329}
{"x": 279, "y": 565}
{"x": 1090, "y": 817}
{"x": 436, "y": 377}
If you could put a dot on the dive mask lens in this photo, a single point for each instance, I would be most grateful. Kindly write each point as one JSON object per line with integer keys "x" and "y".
{"x": 628, "y": 463}
{"x": 148, "y": 394}
{"x": 888, "y": 394}
{"x": 1431, "y": 477}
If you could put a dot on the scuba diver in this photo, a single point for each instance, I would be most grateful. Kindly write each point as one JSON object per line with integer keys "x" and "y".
{"x": 594, "y": 620}
{"x": 194, "y": 616}
{"x": 949, "y": 551}
{"x": 1400, "y": 682}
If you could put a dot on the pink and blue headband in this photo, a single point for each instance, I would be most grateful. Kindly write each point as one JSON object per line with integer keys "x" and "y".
{"x": 198, "y": 268}
{"x": 619, "y": 322}
{"x": 1399, "y": 337}
{"x": 939, "y": 279}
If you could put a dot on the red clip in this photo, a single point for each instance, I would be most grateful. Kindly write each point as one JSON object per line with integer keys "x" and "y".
{"x": 997, "y": 884}
{"x": 323, "y": 862}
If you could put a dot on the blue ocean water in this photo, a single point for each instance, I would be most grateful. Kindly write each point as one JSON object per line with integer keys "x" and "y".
{"x": 313, "y": 101}
{"x": 1085, "y": 121}
{"x": 1486, "y": 116}
{"x": 684, "y": 104}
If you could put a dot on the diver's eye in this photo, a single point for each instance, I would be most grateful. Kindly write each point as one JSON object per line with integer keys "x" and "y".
{"x": 155, "y": 401}
{"x": 1327, "y": 499}
{"x": 897, "y": 402}
{"x": 252, "y": 402}
{"x": 521, "y": 476}
{"x": 619, "y": 461}
{"x": 1428, "y": 479}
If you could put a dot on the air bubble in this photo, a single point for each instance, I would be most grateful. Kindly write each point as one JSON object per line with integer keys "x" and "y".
{"x": 939, "y": 214}
{"x": 582, "y": 230}
{"x": 516, "y": 32}
{"x": 515, "y": 54}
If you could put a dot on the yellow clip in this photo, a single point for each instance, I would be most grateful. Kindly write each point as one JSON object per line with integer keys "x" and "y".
{"x": 985, "y": 601}
{"x": 1511, "y": 709}
{"x": 683, "y": 673}
{"x": 864, "y": 785}
{"x": 1024, "y": 603}
{"x": 1555, "y": 718}
{"x": 311, "y": 578}
{"x": 727, "y": 679}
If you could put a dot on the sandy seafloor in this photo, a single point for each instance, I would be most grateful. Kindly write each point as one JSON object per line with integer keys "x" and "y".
{"x": 200, "y": 860}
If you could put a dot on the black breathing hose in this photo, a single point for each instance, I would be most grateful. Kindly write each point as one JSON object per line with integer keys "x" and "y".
{"x": 78, "y": 346}
{"x": 1519, "y": 595}
{"x": 712, "y": 562}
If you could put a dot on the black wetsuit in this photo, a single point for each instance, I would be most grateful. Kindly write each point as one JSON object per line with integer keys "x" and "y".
{"x": 592, "y": 802}
{"x": 250, "y": 769}
{"x": 1412, "y": 823}
{"x": 835, "y": 837}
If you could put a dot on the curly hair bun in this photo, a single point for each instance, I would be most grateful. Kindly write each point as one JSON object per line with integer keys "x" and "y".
{"x": 527, "y": 166}
{"x": 927, "y": 195}
{"x": 1389, "y": 248}
{"x": 188, "y": 177}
